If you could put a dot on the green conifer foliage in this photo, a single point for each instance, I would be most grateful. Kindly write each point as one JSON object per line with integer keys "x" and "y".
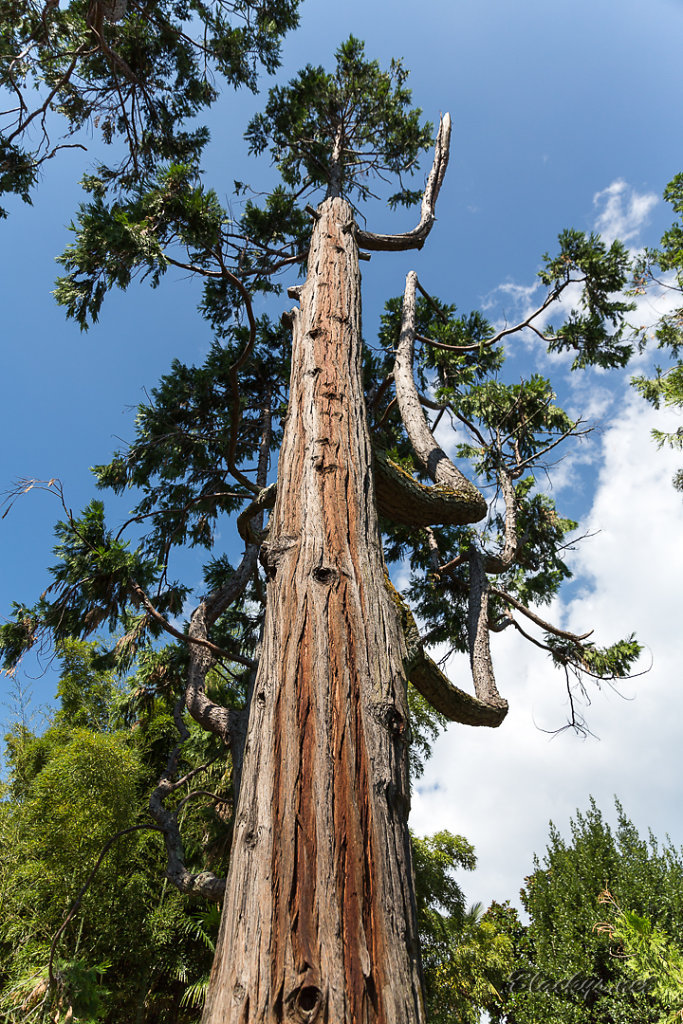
{"x": 654, "y": 266}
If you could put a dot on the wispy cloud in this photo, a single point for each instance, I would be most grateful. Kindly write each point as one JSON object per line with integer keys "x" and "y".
{"x": 520, "y": 296}
{"x": 622, "y": 211}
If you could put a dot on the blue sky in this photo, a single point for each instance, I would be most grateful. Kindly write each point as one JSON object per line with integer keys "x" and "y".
{"x": 553, "y": 105}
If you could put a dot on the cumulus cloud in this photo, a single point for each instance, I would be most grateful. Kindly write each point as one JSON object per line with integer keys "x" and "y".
{"x": 501, "y": 787}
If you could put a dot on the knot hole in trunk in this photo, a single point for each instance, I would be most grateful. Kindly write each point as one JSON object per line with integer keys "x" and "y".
{"x": 271, "y": 552}
{"x": 325, "y": 574}
{"x": 395, "y": 723}
{"x": 306, "y": 1003}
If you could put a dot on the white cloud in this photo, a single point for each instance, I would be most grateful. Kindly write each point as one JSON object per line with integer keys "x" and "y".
{"x": 520, "y": 295}
{"x": 500, "y": 787}
{"x": 623, "y": 212}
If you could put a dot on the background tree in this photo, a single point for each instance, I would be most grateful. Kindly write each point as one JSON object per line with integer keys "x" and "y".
{"x": 566, "y": 967}
{"x": 127, "y": 950}
{"x": 327, "y": 703}
{"x": 466, "y": 957}
{"x": 648, "y": 953}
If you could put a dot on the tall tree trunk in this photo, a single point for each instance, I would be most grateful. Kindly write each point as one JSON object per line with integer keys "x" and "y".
{"x": 319, "y": 916}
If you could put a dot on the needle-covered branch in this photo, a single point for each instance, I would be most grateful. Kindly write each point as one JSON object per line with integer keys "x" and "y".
{"x": 590, "y": 275}
{"x": 555, "y": 630}
{"x": 210, "y": 715}
{"x": 137, "y": 75}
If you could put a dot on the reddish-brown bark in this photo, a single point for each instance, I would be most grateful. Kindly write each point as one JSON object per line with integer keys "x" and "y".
{"x": 319, "y": 918}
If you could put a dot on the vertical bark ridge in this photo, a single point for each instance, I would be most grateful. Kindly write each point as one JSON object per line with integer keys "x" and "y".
{"x": 319, "y": 888}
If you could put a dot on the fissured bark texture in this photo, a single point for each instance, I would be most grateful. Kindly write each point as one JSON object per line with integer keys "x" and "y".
{"x": 319, "y": 917}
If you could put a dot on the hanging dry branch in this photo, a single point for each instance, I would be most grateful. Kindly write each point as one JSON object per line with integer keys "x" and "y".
{"x": 478, "y": 635}
{"x": 503, "y": 560}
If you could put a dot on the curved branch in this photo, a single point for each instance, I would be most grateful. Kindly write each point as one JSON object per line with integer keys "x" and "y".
{"x": 434, "y": 460}
{"x": 400, "y": 498}
{"x": 455, "y": 704}
{"x": 478, "y": 623}
{"x": 23, "y": 124}
{"x": 202, "y": 652}
{"x": 405, "y": 500}
{"x": 416, "y": 238}
{"x": 478, "y": 635}
{"x": 428, "y": 679}
{"x": 265, "y": 499}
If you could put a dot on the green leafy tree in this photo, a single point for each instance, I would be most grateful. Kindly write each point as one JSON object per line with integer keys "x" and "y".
{"x": 466, "y": 956}
{"x": 566, "y": 967}
{"x": 298, "y": 659}
{"x": 80, "y": 868}
{"x": 649, "y": 953}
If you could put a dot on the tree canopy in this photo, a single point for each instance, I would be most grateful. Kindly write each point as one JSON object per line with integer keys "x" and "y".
{"x": 136, "y": 76}
{"x": 328, "y": 131}
{"x": 482, "y": 540}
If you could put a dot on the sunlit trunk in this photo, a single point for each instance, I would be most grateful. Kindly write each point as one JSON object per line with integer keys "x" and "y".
{"x": 319, "y": 917}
